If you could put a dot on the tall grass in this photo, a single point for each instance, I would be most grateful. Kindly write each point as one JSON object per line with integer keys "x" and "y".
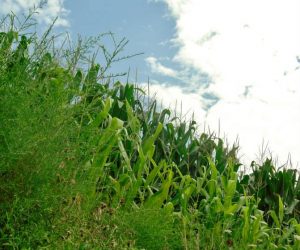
{"x": 87, "y": 164}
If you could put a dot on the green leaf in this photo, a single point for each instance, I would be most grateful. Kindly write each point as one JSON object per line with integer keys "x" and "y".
{"x": 280, "y": 209}
{"x": 213, "y": 178}
{"x": 214, "y": 171}
{"x": 211, "y": 187}
{"x": 186, "y": 195}
{"x": 229, "y": 193}
{"x": 231, "y": 209}
{"x": 217, "y": 205}
{"x": 107, "y": 140}
{"x": 256, "y": 227}
{"x": 133, "y": 121}
{"x": 154, "y": 172}
{"x": 156, "y": 200}
{"x": 77, "y": 79}
{"x": 246, "y": 227}
{"x": 200, "y": 182}
{"x": 124, "y": 154}
{"x": 103, "y": 114}
{"x": 275, "y": 218}
{"x": 148, "y": 143}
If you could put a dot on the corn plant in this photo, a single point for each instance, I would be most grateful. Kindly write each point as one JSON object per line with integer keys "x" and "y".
{"x": 267, "y": 184}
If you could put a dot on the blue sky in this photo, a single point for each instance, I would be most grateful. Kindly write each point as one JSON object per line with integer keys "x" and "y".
{"x": 144, "y": 24}
{"x": 232, "y": 63}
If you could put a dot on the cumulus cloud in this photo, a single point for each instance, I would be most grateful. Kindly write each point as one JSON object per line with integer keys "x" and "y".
{"x": 49, "y": 11}
{"x": 251, "y": 51}
{"x": 159, "y": 68}
{"x": 177, "y": 99}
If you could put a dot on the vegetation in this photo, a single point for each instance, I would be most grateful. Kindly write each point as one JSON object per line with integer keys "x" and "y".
{"x": 87, "y": 163}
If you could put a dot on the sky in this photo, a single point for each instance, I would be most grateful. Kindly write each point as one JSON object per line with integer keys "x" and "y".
{"x": 234, "y": 64}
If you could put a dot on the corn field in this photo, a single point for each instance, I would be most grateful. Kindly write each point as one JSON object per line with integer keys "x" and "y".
{"x": 87, "y": 163}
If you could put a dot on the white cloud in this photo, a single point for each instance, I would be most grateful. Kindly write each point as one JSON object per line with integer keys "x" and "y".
{"x": 157, "y": 67}
{"x": 46, "y": 14}
{"x": 183, "y": 74}
{"x": 173, "y": 97}
{"x": 249, "y": 49}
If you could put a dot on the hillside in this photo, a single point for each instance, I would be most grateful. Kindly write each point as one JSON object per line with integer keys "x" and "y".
{"x": 88, "y": 163}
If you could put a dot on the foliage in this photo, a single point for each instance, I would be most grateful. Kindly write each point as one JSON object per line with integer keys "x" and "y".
{"x": 268, "y": 185}
{"x": 87, "y": 164}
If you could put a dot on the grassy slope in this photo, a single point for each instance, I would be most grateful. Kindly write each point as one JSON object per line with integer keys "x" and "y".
{"x": 85, "y": 164}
